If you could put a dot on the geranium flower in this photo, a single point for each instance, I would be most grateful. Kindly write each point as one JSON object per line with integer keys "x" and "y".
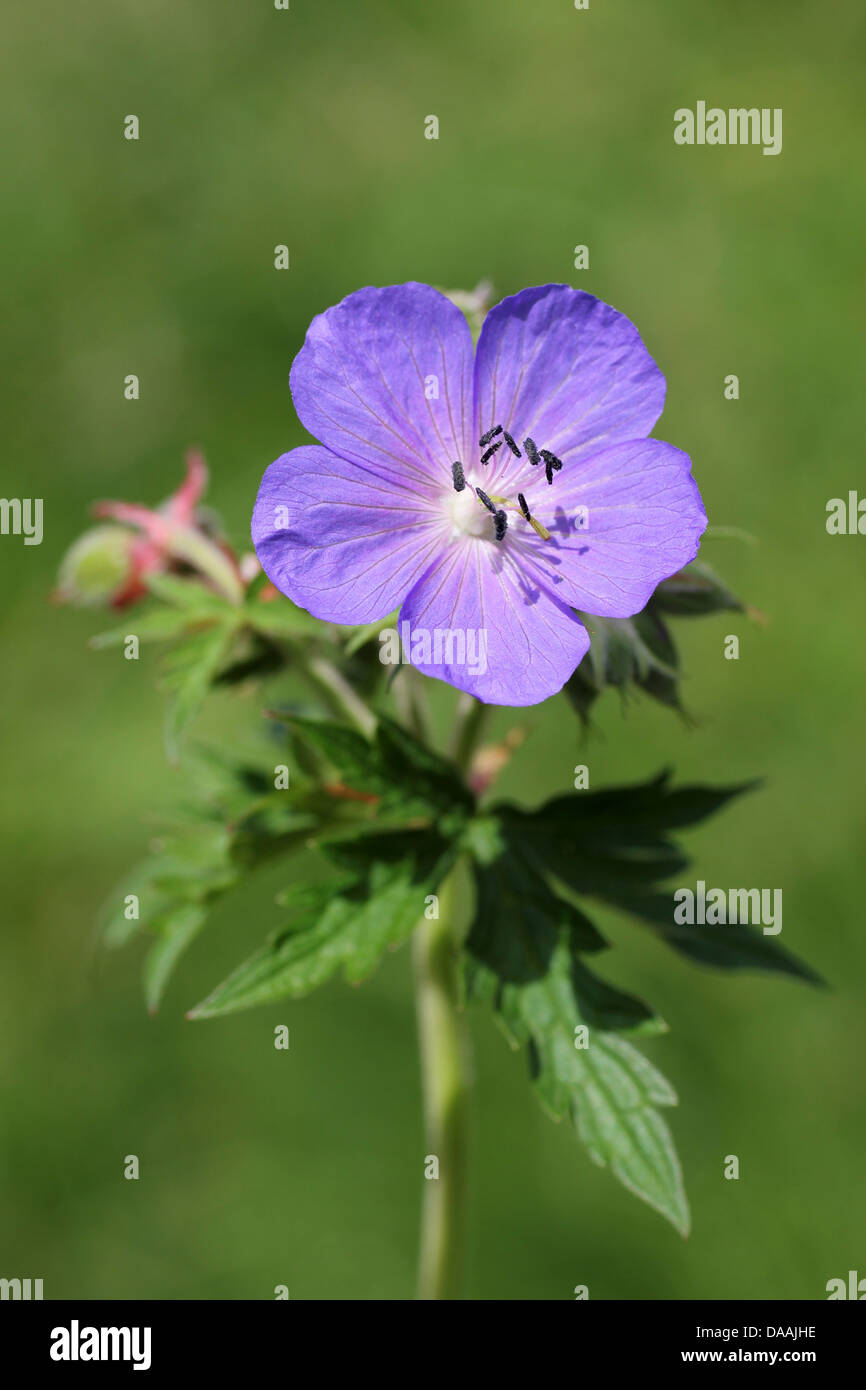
{"x": 488, "y": 491}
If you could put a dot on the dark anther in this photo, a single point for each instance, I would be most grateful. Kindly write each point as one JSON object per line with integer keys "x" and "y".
{"x": 511, "y": 444}
{"x": 457, "y": 475}
{"x": 551, "y": 464}
{"x": 488, "y": 455}
{"x": 531, "y": 452}
{"x": 523, "y": 507}
{"x": 482, "y": 497}
{"x": 491, "y": 434}
{"x": 500, "y": 525}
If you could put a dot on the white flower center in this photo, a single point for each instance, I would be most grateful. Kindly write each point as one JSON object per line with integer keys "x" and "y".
{"x": 469, "y": 516}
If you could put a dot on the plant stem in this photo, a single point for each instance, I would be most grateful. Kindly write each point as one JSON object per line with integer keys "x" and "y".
{"x": 445, "y": 1083}
{"x": 470, "y": 717}
{"x": 341, "y": 693}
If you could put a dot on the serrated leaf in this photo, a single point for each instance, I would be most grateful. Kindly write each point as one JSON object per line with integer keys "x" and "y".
{"x": 394, "y": 767}
{"x": 608, "y": 1088}
{"x": 639, "y": 653}
{"x": 615, "y": 846}
{"x": 727, "y": 946}
{"x": 344, "y": 923}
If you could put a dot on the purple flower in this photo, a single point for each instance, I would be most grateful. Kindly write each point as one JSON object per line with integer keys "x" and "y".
{"x": 591, "y": 515}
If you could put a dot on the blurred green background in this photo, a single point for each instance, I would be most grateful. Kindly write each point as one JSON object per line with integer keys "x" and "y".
{"x": 261, "y": 127}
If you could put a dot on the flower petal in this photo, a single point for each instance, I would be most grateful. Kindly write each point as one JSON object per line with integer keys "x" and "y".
{"x": 561, "y": 366}
{"x": 385, "y": 378}
{"x": 501, "y": 638}
{"x": 643, "y": 521}
{"x": 339, "y": 540}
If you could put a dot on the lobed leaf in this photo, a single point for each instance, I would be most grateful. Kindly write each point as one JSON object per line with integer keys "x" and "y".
{"x": 343, "y": 923}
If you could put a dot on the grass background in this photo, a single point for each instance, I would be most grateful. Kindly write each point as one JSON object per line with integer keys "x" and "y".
{"x": 261, "y": 127}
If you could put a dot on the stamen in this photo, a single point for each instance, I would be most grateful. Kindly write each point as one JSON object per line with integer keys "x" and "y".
{"x": 486, "y": 457}
{"x": 531, "y": 452}
{"x": 457, "y": 475}
{"x": 511, "y": 444}
{"x": 551, "y": 464}
{"x": 500, "y": 524}
{"x": 482, "y": 496}
{"x": 537, "y": 527}
{"x": 491, "y": 434}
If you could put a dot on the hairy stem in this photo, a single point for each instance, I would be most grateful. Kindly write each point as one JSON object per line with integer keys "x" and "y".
{"x": 444, "y": 1072}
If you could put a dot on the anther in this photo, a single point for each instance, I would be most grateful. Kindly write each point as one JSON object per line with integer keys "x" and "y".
{"x": 551, "y": 464}
{"x": 482, "y": 497}
{"x": 457, "y": 475}
{"x": 500, "y": 525}
{"x": 491, "y": 434}
{"x": 531, "y": 452}
{"x": 537, "y": 527}
{"x": 511, "y": 444}
{"x": 488, "y": 455}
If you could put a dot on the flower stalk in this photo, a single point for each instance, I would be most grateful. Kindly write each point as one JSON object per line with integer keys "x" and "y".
{"x": 445, "y": 1080}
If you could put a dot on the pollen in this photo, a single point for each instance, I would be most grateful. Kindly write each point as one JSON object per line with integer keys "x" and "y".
{"x": 551, "y": 464}
{"x": 511, "y": 444}
{"x": 491, "y": 434}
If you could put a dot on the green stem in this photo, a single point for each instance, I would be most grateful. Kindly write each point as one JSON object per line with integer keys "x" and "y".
{"x": 341, "y": 693}
{"x": 470, "y": 717}
{"x": 445, "y": 1081}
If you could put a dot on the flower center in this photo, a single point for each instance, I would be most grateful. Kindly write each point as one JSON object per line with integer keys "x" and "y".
{"x": 469, "y": 517}
{"x": 468, "y": 504}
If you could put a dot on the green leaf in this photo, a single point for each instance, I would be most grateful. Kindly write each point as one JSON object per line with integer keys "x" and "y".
{"x": 616, "y": 846}
{"x": 395, "y": 767}
{"x": 413, "y": 771}
{"x": 150, "y": 625}
{"x": 695, "y": 592}
{"x": 588, "y": 1072}
{"x": 187, "y": 594}
{"x": 343, "y": 923}
{"x": 639, "y": 653}
{"x": 280, "y": 618}
{"x": 189, "y": 669}
{"x": 239, "y": 821}
{"x": 731, "y": 946}
{"x": 178, "y": 928}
